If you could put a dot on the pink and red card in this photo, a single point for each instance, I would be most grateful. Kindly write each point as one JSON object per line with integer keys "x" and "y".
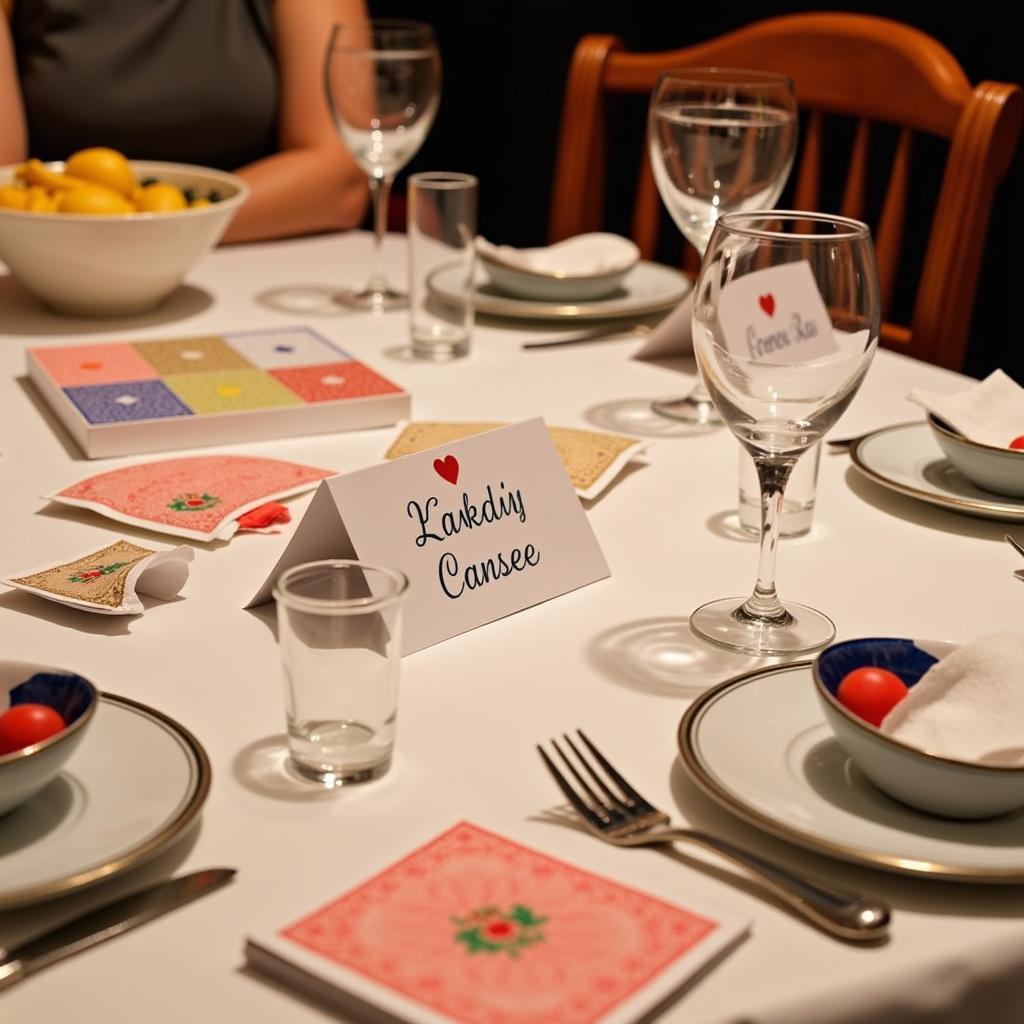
{"x": 477, "y": 929}
{"x": 199, "y": 497}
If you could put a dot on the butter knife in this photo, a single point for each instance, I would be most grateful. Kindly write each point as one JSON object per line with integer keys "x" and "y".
{"x": 107, "y": 922}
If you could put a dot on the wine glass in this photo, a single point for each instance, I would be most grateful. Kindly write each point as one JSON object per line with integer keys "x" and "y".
{"x": 383, "y": 83}
{"x": 720, "y": 140}
{"x": 785, "y": 323}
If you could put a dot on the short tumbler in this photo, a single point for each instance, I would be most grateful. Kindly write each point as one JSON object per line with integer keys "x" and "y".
{"x": 339, "y": 628}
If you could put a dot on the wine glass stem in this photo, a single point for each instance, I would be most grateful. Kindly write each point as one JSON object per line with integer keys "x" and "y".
{"x": 380, "y": 192}
{"x": 773, "y": 475}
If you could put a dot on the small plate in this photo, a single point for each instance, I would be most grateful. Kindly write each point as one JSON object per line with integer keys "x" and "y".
{"x": 760, "y": 746}
{"x": 908, "y": 460}
{"x": 124, "y": 795}
{"x": 648, "y": 288}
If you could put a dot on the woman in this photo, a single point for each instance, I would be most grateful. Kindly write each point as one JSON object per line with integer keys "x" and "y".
{"x": 235, "y": 84}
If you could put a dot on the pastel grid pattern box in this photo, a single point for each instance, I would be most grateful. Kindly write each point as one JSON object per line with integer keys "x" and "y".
{"x": 133, "y": 397}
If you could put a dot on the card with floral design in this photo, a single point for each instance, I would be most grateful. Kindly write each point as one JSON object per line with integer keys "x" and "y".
{"x": 108, "y": 581}
{"x": 199, "y": 497}
{"x": 477, "y": 929}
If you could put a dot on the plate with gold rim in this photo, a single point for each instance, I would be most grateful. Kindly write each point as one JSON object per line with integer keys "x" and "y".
{"x": 132, "y": 788}
{"x": 908, "y": 460}
{"x": 759, "y": 745}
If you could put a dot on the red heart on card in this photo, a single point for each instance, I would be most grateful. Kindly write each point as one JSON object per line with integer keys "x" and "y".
{"x": 447, "y": 468}
{"x": 767, "y": 303}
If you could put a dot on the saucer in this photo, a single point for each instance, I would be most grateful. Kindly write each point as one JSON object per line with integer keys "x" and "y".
{"x": 122, "y": 797}
{"x": 759, "y": 745}
{"x": 648, "y": 287}
{"x": 907, "y": 459}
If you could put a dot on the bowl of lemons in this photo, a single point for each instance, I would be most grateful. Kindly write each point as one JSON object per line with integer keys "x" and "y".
{"x": 102, "y": 235}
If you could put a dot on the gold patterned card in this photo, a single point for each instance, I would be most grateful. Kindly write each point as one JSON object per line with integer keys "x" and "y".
{"x": 106, "y": 580}
{"x": 591, "y": 459}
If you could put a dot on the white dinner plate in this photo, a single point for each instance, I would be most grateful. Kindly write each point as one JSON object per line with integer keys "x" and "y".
{"x": 131, "y": 788}
{"x": 646, "y": 289}
{"x": 759, "y": 745}
{"x": 907, "y": 459}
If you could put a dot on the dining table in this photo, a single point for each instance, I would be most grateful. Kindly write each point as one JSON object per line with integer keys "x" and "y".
{"x": 614, "y": 658}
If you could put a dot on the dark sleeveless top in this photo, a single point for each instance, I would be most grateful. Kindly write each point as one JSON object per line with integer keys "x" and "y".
{"x": 193, "y": 81}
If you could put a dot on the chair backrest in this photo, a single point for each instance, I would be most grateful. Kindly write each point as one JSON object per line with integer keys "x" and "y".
{"x": 870, "y": 69}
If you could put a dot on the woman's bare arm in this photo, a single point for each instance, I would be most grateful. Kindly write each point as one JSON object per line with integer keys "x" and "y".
{"x": 313, "y": 184}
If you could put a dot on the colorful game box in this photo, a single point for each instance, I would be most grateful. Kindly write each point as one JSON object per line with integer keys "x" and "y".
{"x": 125, "y": 398}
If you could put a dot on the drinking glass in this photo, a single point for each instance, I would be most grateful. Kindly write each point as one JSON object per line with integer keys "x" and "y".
{"x": 782, "y": 355}
{"x": 383, "y": 82}
{"x": 720, "y": 140}
{"x": 339, "y": 627}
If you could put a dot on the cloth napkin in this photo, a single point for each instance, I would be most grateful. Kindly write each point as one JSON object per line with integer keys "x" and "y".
{"x": 968, "y": 706}
{"x": 990, "y": 412}
{"x": 593, "y": 253}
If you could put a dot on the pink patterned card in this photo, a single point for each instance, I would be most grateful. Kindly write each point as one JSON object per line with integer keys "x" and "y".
{"x": 199, "y": 497}
{"x": 476, "y": 929}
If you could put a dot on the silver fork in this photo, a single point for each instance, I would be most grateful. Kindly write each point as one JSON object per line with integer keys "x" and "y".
{"x": 625, "y": 818}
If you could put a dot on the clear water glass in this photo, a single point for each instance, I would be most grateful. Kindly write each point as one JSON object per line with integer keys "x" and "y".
{"x": 383, "y": 84}
{"x": 777, "y": 394}
{"x": 720, "y": 140}
{"x": 797, "y": 504}
{"x": 339, "y": 629}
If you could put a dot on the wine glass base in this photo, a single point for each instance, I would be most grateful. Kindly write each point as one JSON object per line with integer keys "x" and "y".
{"x": 718, "y": 623}
{"x": 374, "y": 300}
{"x": 698, "y": 411}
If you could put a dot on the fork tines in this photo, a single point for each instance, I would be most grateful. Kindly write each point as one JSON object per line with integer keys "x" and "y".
{"x": 603, "y": 808}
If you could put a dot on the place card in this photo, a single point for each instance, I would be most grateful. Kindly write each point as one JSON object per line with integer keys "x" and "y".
{"x": 483, "y": 527}
{"x": 474, "y": 928}
{"x": 776, "y": 315}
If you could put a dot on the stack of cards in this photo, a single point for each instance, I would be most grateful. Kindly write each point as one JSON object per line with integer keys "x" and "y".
{"x": 591, "y": 459}
{"x": 474, "y": 928}
{"x": 108, "y": 581}
{"x": 200, "y": 498}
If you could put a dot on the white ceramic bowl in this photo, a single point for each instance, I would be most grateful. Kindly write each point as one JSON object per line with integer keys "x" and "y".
{"x": 24, "y": 772}
{"x": 559, "y": 277}
{"x": 1000, "y": 470}
{"x": 937, "y": 785}
{"x": 117, "y": 265}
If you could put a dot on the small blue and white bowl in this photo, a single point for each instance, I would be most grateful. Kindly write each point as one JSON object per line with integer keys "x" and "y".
{"x": 24, "y": 772}
{"x": 937, "y": 785}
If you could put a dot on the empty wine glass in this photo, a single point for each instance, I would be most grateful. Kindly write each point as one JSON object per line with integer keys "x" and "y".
{"x": 383, "y": 82}
{"x": 785, "y": 323}
{"x": 720, "y": 140}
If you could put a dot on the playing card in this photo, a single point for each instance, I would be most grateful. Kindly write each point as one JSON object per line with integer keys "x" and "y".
{"x": 107, "y": 581}
{"x": 477, "y": 929}
{"x": 199, "y": 497}
{"x": 591, "y": 459}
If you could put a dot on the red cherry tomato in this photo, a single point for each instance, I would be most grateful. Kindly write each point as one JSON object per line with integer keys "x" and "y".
{"x": 871, "y": 693}
{"x": 1018, "y": 442}
{"x": 25, "y": 724}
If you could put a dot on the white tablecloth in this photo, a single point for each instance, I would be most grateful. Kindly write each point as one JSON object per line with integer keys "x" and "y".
{"x": 472, "y": 708}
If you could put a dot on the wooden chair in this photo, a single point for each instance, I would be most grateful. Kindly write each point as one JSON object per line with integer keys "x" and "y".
{"x": 871, "y": 69}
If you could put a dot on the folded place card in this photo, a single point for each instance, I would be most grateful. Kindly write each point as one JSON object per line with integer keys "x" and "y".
{"x": 483, "y": 527}
{"x": 476, "y": 929}
{"x": 107, "y": 581}
{"x": 592, "y": 459}
{"x": 200, "y": 497}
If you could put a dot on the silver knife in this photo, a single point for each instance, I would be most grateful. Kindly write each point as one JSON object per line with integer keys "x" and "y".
{"x": 107, "y": 922}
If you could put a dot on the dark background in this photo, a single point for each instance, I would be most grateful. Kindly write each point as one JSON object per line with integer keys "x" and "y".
{"x": 505, "y": 65}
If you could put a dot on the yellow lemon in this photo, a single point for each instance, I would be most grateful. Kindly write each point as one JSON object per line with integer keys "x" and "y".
{"x": 94, "y": 199}
{"x": 161, "y": 197}
{"x": 32, "y": 172}
{"x": 201, "y": 201}
{"x": 14, "y": 197}
{"x": 102, "y": 166}
{"x": 40, "y": 201}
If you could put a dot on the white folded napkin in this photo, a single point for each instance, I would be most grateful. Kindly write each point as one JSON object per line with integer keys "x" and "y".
{"x": 596, "y": 253}
{"x": 990, "y": 412}
{"x": 969, "y": 705}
